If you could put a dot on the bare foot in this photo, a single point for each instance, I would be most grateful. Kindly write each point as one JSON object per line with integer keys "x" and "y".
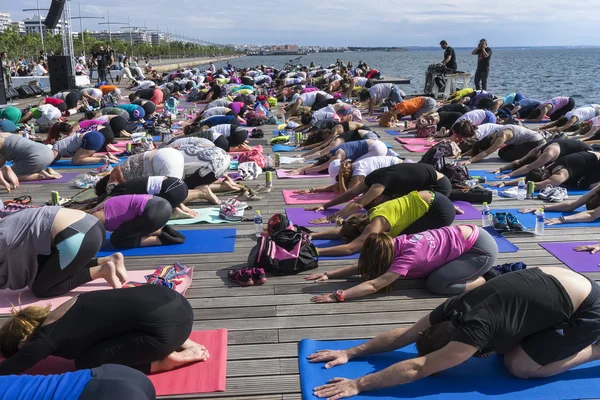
{"x": 112, "y": 149}
{"x": 119, "y": 262}
{"x": 112, "y": 159}
{"x": 52, "y": 172}
{"x": 187, "y": 355}
{"x": 108, "y": 271}
{"x": 179, "y": 213}
{"x": 204, "y": 193}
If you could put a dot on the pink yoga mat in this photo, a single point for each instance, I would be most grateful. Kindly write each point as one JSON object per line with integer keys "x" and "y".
{"x": 292, "y": 198}
{"x": 24, "y": 297}
{"x": 577, "y": 261}
{"x": 417, "y": 148}
{"x": 416, "y": 141}
{"x": 202, "y": 377}
{"x": 283, "y": 174}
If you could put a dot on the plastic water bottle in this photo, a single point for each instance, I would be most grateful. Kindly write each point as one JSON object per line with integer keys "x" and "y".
{"x": 270, "y": 162}
{"x": 258, "y": 224}
{"x": 522, "y": 190}
{"x": 486, "y": 215}
{"x": 540, "y": 220}
{"x": 167, "y": 137}
{"x": 472, "y": 182}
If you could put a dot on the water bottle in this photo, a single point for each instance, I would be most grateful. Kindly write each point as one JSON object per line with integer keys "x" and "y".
{"x": 540, "y": 220}
{"x": 522, "y": 190}
{"x": 167, "y": 138}
{"x": 486, "y": 215}
{"x": 472, "y": 182}
{"x": 269, "y": 162}
{"x": 258, "y": 224}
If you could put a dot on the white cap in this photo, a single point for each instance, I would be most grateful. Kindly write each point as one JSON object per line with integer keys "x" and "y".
{"x": 334, "y": 169}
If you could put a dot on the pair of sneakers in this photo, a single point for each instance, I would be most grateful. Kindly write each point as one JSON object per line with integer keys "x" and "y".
{"x": 88, "y": 181}
{"x": 553, "y": 194}
{"x": 507, "y": 222}
{"x": 248, "y": 276}
{"x": 103, "y": 169}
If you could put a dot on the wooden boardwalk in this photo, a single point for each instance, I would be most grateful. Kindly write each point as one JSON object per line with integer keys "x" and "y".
{"x": 266, "y": 322}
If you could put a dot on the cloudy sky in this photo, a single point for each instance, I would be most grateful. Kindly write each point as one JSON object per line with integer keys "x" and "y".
{"x": 352, "y": 22}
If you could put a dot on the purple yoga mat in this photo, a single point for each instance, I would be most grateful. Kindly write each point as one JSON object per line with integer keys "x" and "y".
{"x": 66, "y": 178}
{"x": 577, "y": 261}
{"x": 300, "y": 216}
{"x": 471, "y": 212}
{"x": 372, "y": 119}
{"x": 283, "y": 174}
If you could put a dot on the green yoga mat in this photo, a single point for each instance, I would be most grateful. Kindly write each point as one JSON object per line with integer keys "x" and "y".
{"x": 205, "y": 216}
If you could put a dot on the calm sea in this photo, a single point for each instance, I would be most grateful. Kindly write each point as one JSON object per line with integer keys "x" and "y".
{"x": 536, "y": 73}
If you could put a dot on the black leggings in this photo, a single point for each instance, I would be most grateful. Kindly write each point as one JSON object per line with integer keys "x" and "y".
{"x": 157, "y": 334}
{"x": 443, "y": 186}
{"x": 155, "y": 216}
{"x": 111, "y": 381}
{"x": 60, "y": 274}
{"x": 516, "y": 152}
{"x": 172, "y": 189}
{"x": 441, "y": 213}
{"x": 562, "y": 111}
{"x": 321, "y": 101}
{"x": 481, "y": 78}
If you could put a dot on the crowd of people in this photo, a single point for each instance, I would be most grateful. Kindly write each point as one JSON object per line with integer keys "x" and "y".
{"x": 397, "y": 214}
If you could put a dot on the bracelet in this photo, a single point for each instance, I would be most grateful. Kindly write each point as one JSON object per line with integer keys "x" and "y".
{"x": 339, "y": 295}
{"x": 312, "y": 190}
{"x": 562, "y": 220}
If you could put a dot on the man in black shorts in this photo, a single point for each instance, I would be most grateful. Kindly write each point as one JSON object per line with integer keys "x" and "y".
{"x": 544, "y": 320}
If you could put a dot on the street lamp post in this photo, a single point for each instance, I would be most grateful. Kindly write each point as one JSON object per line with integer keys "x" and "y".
{"x": 81, "y": 26}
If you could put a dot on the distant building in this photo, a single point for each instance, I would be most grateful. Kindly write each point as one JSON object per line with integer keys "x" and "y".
{"x": 157, "y": 38}
{"x": 135, "y": 36}
{"x": 5, "y": 21}
{"x": 19, "y": 26}
{"x": 32, "y": 25}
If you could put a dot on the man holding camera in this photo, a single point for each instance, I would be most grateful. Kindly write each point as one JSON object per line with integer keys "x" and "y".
{"x": 483, "y": 54}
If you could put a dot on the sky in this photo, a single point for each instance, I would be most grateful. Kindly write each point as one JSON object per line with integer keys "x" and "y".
{"x": 351, "y": 22}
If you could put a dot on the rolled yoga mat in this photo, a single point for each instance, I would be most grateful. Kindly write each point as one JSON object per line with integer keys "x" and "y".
{"x": 202, "y": 377}
{"x": 196, "y": 242}
{"x": 528, "y": 220}
{"x": 25, "y": 298}
{"x": 577, "y": 261}
{"x": 292, "y": 198}
{"x": 284, "y": 174}
{"x": 476, "y": 379}
{"x": 205, "y": 215}
{"x": 66, "y": 178}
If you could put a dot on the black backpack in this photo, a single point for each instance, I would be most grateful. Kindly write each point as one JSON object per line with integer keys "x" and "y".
{"x": 437, "y": 157}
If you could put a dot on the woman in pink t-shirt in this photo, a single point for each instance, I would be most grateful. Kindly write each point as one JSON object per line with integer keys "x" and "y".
{"x": 454, "y": 259}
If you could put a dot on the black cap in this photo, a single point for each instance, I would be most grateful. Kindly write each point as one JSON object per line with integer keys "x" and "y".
{"x": 443, "y": 42}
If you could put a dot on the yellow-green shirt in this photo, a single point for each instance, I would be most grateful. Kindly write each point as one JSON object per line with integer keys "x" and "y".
{"x": 401, "y": 213}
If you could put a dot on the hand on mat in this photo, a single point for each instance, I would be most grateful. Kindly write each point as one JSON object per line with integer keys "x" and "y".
{"x": 295, "y": 172}
{"x": 317, "y": 277}
{"x": 320, "y": 221}
{"x": 337, "y": 388}
{"x": 466, "y": 162}
{"x": 496, "y": 184}
{"x": 592, "y": 249}
{"x": 332, "y": 357}
{"x": 553, "y": 221}
{"x": 315, "y": 208}
{"x": 528, "y": 210}
{"x": 324, "y": 298}
{"x": 459, "y": 210}
{"x": 302, "y": 191}
{"x": 493, "y": 171}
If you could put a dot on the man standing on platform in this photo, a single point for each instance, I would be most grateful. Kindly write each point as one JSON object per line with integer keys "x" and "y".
{"x": 483, "y": 54}
{"x": 449, "y": 56}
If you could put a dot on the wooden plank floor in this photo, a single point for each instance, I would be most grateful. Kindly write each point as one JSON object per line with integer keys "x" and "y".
{"x": 266, "y": 322}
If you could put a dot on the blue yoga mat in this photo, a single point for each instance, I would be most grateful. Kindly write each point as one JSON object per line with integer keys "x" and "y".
{"x": 389, "y": 146}
{"x": 504, "y": 245}
{"x": 492, "y": 177}
{"x": 393, "y": 133}
{"x": 528, "y": 220}
{"x": 196, "y": 242}
{"x": 278, "y": 148}
{"x": 331, "y": 243}
{"x": 279, "y": 133}
{"x": 473, "y": 380}
{"x": 67, "y": 164}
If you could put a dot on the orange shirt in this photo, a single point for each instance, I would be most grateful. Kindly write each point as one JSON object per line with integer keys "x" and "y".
{"x": 106, "y": 89}
{"x": 409, "y": 107}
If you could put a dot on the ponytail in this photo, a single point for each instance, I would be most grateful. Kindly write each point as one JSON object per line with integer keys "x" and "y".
{"x": 19, "y": 327}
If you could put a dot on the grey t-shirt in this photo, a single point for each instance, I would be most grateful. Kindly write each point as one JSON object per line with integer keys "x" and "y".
{"x": 27, "y": 157}
{"x": 68, "y": 146}
{"x": 522, "y": 135}
{"x": 24, "y": 235}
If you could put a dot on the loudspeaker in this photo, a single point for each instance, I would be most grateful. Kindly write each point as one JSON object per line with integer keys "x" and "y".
{"x": 54, "y": 13}
{"x": 2, "y": 86}
{"x": 61, "y": 74}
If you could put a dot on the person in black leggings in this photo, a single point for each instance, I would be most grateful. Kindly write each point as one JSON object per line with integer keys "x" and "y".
{"x": 137, "y": 221}
{"x": 52, "y": 250}
{"x": 109, "y": 381}
{"x": 145, "y": 327}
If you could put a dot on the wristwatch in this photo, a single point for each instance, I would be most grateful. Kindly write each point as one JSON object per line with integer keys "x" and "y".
{"x": 339, "y": 295}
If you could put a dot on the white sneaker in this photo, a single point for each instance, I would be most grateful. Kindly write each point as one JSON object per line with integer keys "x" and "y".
{"x": 558, "y": 194}
{"x": 546, "y": 192}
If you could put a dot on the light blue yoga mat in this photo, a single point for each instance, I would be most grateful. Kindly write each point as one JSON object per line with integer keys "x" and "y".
{"x": 476, "y": 379}
{"x": 279, "y": 148}
{"x": 68, "y": 164}
{"x": 196, "y": 242}
{"x": 492, "y": 177}
{"x": 528, "y": 220}
{"x": 205, "y": 215}
{"x": 332, "y": 243}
